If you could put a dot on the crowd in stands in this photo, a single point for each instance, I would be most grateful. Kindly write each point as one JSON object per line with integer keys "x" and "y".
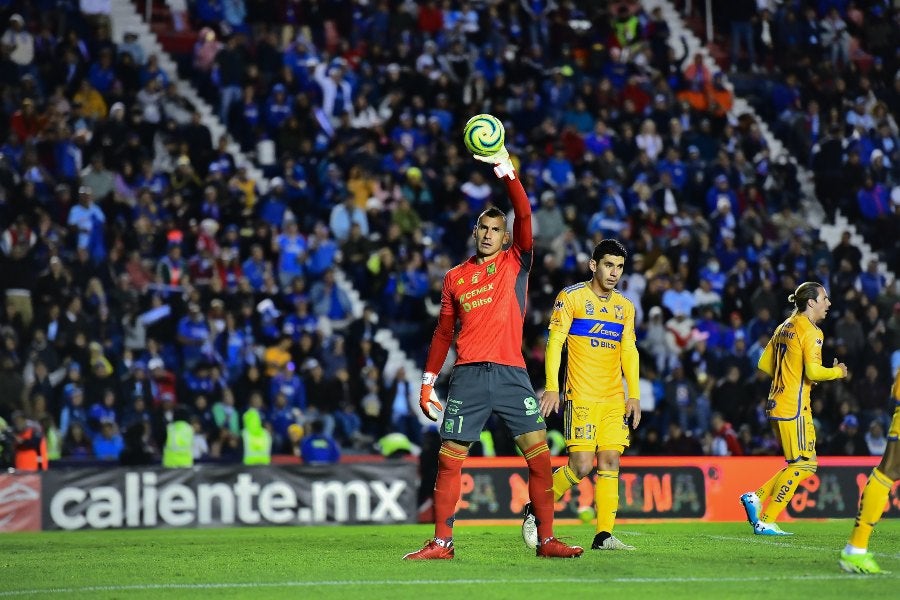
{"x": 825, "y": 75}
{"x": 145, "y": 269}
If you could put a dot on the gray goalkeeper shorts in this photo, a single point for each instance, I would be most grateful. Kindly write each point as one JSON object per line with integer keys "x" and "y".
{"x": 479, "y": 389}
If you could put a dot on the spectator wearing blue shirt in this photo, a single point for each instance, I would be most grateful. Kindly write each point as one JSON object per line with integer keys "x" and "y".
{"x": 678, "y": 299}
{"x": 558, "y": 173}
{"x": 255, "y": 268}
{"x": 873, "y": 200}
{"x": 721, "y": 189}
{"x": 317, "y": 448}
{"x": 557, "y": 92}
{"x": 277, "y": 109}
{"x": 274, "y": 204}
{"x": 870, "y": 282}
{"x": 329, "y": 300}
{"x": 193, "y": 335}
{"x": 712, "y": 272}
{"x": 103, "y": 410}
{"x": 73, "y": 410}
{"x": 282, "y": 415}
{"x": 102, "y": 75}
{"x": 87, "y": 219}
{"x": 761, "y": 324}
{"x": 406, "y": 133}
{"x": 301, "y": 320}
{"x": 292, "y": 249}
{"x": 322, "y": 252}
{"x": 108, "y": 444}
{"x": 287, "y": 383}
{"x": 488, "y": 65}
{"x": 344, "y": 215}
{"x": 599, "y": 140}
{"x": 672, "y": 164}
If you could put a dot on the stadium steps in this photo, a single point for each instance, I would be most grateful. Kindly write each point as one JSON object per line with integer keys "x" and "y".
{"x": 831, "y": 233}
{"x": 129, "y": 16}
{"x": 812, "y": 210}
{"x": 174, "y": 42}
{"x": 125, "y": 17}
{"x": 815, "y": 215}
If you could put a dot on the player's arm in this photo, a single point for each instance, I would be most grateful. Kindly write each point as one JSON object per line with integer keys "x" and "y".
{"x": 437, "y": 352}
{"x": 552, "y": 359}
{"x": 522, "y": 235}
{"x": 631, "y": 370}
{"x": 766, "y": 362}
{"x": 503, "y": 169}
{"x": 812, "y": 359}
{"x": 560, "y": 321}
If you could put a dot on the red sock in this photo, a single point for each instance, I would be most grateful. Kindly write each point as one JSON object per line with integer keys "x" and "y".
{"x": 540, "y": 488}
{"x": 446, "y": 490}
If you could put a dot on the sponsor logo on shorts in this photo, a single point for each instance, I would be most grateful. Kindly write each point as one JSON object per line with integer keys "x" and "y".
{"x": 531, "y": 405}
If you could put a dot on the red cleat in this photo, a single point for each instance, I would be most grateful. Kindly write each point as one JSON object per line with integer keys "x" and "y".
{"x": 433, "y": 550}
{"x": 553, "y": 548}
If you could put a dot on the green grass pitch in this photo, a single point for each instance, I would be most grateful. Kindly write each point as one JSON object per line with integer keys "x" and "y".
{"x": 673, "y": 561}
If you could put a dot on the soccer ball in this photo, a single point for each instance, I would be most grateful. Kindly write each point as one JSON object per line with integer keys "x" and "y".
{"x": 483, "y": 135}
{"x": 586, "y": 514}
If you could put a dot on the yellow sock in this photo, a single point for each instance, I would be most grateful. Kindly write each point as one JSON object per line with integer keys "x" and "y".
{"x": 785, "y": 486}
{"x": 564, "y": 478}
{"x": 765, "y": 490}
{"x": 871, "y": 507}
{"x": 606, "y": 498}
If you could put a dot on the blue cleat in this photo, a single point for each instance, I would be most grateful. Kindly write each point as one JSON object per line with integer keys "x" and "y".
{"x": 763, "y": 528}
{"x": 750, "y": 502}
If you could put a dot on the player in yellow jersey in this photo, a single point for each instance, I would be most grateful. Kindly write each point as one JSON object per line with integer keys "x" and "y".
{"x": 596, "y": 323}
{"x": 793, "y": 359}
{"x": 856, "y": 558}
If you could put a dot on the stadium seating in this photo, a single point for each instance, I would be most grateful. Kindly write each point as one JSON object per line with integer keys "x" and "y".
{"x": 353, "y": 112}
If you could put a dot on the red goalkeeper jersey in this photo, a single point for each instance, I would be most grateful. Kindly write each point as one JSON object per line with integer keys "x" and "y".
{"x": 488, "y": 299}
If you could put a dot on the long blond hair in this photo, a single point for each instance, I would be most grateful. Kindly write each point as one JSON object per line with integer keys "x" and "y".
{"x": 806, "y": 291}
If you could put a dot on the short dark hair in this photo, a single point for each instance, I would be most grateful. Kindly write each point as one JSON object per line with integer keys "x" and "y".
{"x": 806, "y": 291}
{"x": 492, "y": 212}
{"x": 609, "y": 246}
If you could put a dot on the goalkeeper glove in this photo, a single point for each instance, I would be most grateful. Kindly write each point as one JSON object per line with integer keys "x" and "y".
{"x": 428, "y": 400}
{"x": 502, "y": 164}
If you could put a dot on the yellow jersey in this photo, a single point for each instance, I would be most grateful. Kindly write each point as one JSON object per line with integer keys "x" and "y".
{"x": 601, "y": 344}
{"x": 793, "y": 357}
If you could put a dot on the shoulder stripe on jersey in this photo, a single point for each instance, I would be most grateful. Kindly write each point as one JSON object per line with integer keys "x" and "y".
{"x": 574, "y": 287}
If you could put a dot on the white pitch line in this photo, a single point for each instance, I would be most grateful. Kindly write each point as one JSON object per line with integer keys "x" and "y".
{"x": 428, "y": 582}
{"x": 770, "y": 541}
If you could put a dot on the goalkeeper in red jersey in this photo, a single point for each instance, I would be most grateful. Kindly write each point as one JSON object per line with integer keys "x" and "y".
{"x": 487, "y": 294}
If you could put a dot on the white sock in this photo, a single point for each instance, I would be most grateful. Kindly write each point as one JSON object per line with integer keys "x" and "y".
{"x": 854, "y": 550}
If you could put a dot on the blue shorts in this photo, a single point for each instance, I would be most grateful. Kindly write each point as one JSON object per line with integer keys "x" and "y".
{"x": 479, "y": 389}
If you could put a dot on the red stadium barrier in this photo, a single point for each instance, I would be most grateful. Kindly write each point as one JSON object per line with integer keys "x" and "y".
{"x": 655, "y": 487}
